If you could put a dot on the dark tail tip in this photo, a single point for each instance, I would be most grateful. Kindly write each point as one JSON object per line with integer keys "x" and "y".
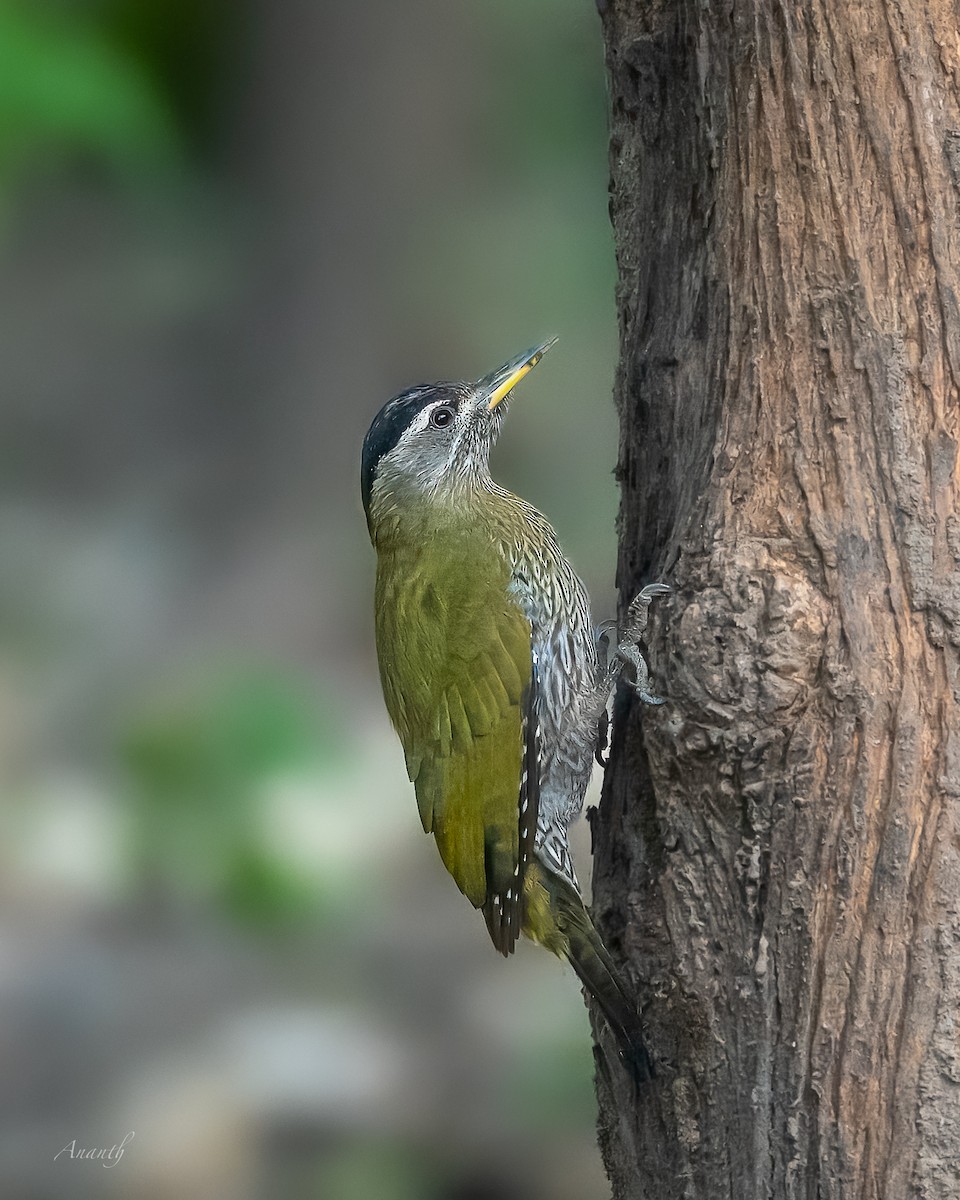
{"x": 637, "y": 1061}
{"x": 600, "y": 977}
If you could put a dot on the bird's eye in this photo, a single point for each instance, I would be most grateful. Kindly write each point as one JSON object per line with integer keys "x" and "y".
{"x": 442, "y": 416}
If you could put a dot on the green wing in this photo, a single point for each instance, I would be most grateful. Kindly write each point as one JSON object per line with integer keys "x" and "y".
{"x": 455, "y": 663}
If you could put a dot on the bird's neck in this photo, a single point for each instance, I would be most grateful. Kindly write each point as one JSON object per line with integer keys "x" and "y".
{"x": 401, "y": 512}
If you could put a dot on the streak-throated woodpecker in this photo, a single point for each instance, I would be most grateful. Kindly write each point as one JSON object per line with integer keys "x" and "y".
{"x": 492, "y": 672}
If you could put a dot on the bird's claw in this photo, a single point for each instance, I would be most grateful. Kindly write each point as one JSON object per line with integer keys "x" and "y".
{"x": 628, "y": 650}
{"x": 602, "y": 635}
{"x": 637, "y": 609}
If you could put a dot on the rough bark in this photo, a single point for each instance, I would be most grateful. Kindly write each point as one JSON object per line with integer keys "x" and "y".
{"x": 778, "y": 849}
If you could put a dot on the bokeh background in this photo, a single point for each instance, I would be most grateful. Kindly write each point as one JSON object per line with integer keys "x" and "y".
{"x": 229, "y": 230}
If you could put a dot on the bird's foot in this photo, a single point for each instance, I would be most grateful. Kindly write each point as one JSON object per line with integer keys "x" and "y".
{"x": 628, "y": 647}
{"x": 641, "y": 675}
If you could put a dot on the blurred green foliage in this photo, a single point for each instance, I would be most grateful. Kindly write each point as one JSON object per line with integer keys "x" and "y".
{"x": 125, "y": 85}
{"x": 189, "y": 47}
{"x": 383, "y": 1169}
{"x": 67, "y": 88}
{"x": 198, "y": 774}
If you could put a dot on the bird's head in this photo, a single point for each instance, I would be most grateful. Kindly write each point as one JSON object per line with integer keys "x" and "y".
{"x": 431, "y": 442}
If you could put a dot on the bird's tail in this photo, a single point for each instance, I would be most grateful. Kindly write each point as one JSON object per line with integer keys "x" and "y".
{"x": 555, "y": 917}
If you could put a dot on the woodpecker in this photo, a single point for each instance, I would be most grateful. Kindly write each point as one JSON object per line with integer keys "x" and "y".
{"x": 492, "y": 672}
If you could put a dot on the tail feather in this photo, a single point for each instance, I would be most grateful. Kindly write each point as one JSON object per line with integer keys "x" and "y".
{"x": 589, "y": 958}
{"x": 555, "y": 916}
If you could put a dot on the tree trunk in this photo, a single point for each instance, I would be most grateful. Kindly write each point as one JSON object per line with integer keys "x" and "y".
{"x": 778, "y": 848}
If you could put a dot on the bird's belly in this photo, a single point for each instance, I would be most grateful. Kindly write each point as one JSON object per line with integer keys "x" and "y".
{"x": 567, "y": 677}
{"x": 568, "y": 738}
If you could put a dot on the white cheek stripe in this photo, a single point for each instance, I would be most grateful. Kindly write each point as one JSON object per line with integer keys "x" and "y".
{"x": 422, "y": 421}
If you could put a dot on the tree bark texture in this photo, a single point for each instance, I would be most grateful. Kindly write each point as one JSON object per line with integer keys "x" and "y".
{"x": 778, "y": 847}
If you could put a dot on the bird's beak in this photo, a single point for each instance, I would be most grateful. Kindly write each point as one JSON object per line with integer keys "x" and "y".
{"x": 499, "y": 383}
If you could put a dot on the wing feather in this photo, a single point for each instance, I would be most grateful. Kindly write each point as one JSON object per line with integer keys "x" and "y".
{"x": 459, "y": 682}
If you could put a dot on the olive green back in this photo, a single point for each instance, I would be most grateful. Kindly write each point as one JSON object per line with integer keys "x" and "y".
{"x": 455, "y": 662}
